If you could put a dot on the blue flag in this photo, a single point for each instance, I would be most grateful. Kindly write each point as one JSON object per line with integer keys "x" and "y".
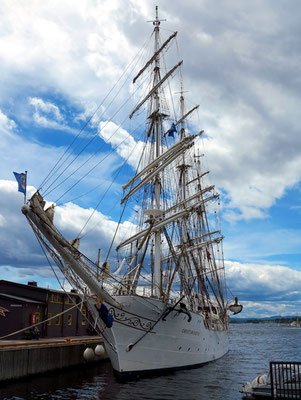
{"x": 21, "y": 179}
{"x": 172, "y": 130}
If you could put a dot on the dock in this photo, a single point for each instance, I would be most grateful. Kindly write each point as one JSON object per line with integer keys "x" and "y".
{"x": 22, "y": 358}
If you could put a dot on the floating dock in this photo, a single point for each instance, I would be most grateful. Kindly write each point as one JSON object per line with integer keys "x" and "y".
{"x": 22, "y": 358}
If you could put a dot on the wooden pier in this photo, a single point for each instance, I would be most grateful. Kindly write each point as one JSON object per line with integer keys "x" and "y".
{"x": 21, "y": 358}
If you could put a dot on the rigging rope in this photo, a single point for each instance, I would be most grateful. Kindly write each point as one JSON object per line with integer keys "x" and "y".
{"x": 91, "y": 117}
{"x": 39, "y": 323}
{"x": 113, "y": 181}
{"x": 96, "y": 165}
{"x": 91, "y": 323}
{"x": 47, "y": 191}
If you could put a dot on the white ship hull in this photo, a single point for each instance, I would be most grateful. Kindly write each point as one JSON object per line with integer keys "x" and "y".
{"x": 173, "y": 343}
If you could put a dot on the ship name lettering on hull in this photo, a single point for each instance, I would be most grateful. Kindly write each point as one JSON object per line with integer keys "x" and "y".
{"x": 190, "y": 332}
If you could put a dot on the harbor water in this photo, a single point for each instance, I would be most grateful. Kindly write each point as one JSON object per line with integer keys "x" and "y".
{"x": 252, "y": 346}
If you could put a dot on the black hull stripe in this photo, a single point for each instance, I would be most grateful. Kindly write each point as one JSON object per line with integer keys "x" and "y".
{"x": 132, "y": 375}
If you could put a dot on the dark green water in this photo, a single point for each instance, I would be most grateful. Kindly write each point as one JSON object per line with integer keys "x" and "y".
{"x": 252, "y": 346}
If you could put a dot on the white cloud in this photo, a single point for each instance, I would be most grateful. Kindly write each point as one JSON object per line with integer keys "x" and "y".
{"x": 18, "y": 154}
{"x": 246, "y": 78}
{"x": 46, "y": 114}
{"x": 264, "y": 282}
{"x": 71, "y": 218}
{"x": 18, "y": 246}
{"x": 46, "y": 107}
{"x": 61, "y": 45}
{"x": 6, "y": 124}
{"x": 262, "y": 309}
{"x": 44, "y": 276}
{"x": 125, "y": 144}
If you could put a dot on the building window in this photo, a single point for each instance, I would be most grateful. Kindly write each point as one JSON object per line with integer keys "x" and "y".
{"x": 70, "y": 301}
{"x": 84, "y": 314}
{"x": 69, "y": 319}
{"x": 50, "y": 316}
{"x": 56, "y": 298}
{"x": 38, "y": 317}
{"x": 58, "y": 320}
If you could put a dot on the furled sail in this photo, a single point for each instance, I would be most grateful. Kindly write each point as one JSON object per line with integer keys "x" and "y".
{"x": 67, "y": 251}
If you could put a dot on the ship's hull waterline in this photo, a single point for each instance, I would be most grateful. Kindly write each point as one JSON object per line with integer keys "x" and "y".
{"x": 173, "y": 343}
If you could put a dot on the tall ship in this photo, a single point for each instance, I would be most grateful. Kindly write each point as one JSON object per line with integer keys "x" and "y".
{"x": 159, "y": 298}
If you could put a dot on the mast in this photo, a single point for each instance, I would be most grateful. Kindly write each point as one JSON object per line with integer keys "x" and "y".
{"x": 157, "y": 264}
{"x": 182, "y": 182}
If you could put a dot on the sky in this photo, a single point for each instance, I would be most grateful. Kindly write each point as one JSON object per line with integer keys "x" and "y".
{"x": 59, "y": 59}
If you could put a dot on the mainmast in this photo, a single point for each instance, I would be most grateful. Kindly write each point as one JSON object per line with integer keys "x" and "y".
{"x": 183, "y": 172}
{"x": 157, "y": 262}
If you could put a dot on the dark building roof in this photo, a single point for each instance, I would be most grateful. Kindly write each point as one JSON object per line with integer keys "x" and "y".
{"x": 33, "y": 287}
{"x": 9, "y": 283}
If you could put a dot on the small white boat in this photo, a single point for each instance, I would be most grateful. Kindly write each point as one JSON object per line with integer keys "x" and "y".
{"x": 259, "y": 387}
{"x": 296, "y": 324}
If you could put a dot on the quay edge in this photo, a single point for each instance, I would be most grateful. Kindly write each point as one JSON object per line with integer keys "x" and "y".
{"x": 19, "y": 359}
